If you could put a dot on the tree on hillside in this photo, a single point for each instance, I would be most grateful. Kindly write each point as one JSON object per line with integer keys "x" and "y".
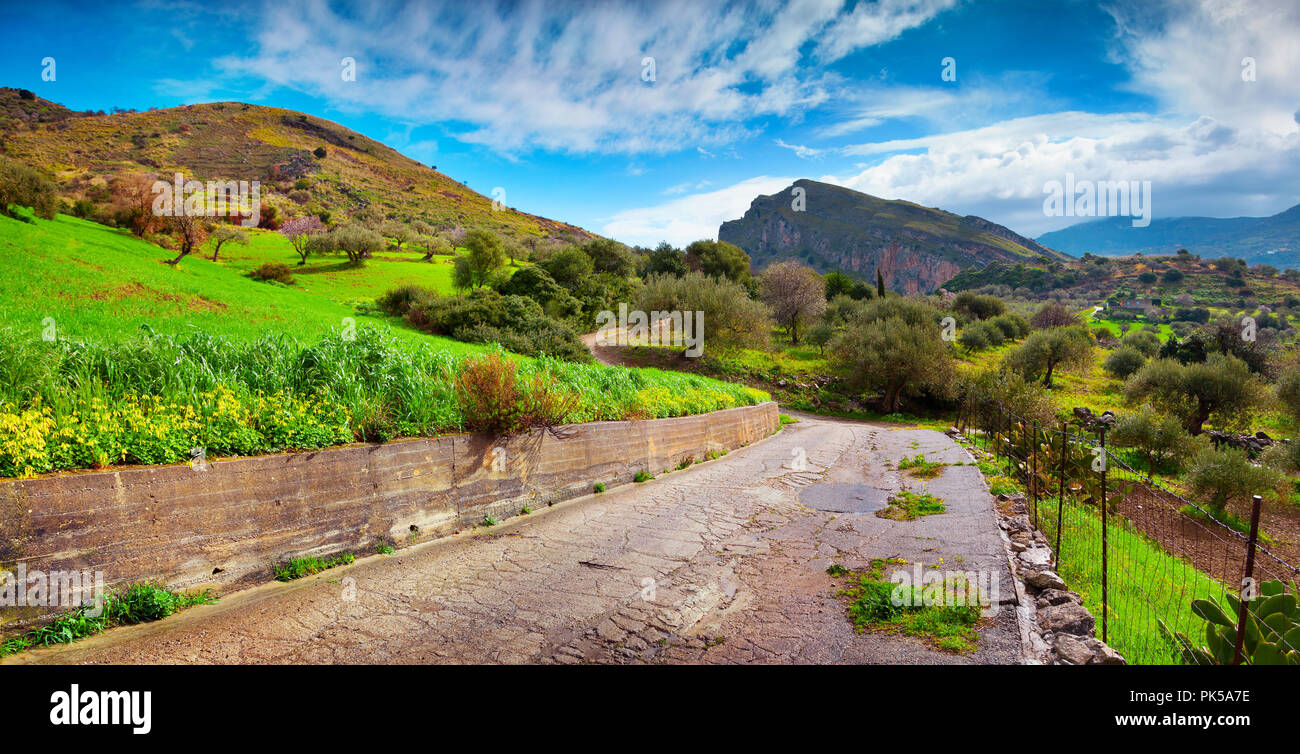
{"x": 894, "y": 347}
{"x": 358, "y": 242}
{"x": 133, "y": 195}
{"x": 795, "y": 293}
{"x": 720, "y": 259}
{"x": 569, "y": 267}
{"x": 299, "y": 231}
{"x": 880, "y": 283}
{"x": 190, "y": 232}
{"x": 1053, "y": 314}
{"x": 1044, "y": 351}
{"x": 610, "y": 256}
{"x": 22, "y": 185}
{"x": 486, "y": 255}
{"x": 1221, "y": 388}
{"x": 666, "y": 260}
{"x": 434, "y": 244}
{"x": 401, "y": 233}
{"x": 225, "y": 234}
{"x": 838, "y": 284}
{"x": 731, "y": 318}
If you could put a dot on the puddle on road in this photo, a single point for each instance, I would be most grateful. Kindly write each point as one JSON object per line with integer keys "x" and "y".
{"x": 844, "y": 498}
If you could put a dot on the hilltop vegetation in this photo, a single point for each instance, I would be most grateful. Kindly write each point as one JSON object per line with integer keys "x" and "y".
{"x": 307, "y": 165}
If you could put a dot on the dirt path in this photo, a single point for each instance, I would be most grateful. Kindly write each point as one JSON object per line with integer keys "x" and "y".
{"x": 724, "y": 562}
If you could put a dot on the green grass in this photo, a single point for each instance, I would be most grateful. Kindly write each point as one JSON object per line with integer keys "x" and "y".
{"x": 136, "y": 603}
{"x": 642, "y": 476}
{"x": 872, "y": 606}
{"x": 104, "y": 285}
{"x": 150, "y": 361}
{"x": 598, "y": 487}
{"x": 906, "y": 505}
{"x": 920, "y": 468}
{"x": 1145, "y": 584}
{"x": 297, "y": 568}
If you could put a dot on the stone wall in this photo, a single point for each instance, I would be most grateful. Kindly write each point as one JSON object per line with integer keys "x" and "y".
{"x": 226, "y": 524}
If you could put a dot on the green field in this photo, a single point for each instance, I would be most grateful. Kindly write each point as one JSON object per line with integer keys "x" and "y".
{"x": 110, "y": 356}
{"x": 100, "y": 284}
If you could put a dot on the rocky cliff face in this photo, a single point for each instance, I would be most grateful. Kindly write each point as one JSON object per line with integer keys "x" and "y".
{"x": 830, "y": 228}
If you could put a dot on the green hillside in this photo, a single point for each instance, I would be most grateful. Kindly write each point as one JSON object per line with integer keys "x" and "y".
{"x": 103, "y": 285}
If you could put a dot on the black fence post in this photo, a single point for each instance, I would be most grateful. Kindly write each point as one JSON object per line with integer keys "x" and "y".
{"x": 1247, "y": 582}
{"x": 1060, "y": 503}
{"x": 1033, "y": 471}
{"x": 1105, "y": 467}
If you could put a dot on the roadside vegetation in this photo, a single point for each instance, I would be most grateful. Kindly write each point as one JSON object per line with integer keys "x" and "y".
{"x": 136, "y": 603}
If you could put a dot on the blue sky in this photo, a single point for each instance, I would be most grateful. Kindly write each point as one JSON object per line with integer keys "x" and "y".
{"x": 549, "y": 101}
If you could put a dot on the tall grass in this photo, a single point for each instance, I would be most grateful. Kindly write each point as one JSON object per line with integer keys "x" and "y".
{"x": 154, "y": 398}
{"x": 1145, "y": 583}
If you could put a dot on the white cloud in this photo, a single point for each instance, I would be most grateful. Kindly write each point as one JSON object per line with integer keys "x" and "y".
{"x": 689, "y": 218}
{"x": 800, "y": 150}
{"x": 515, "y": 76}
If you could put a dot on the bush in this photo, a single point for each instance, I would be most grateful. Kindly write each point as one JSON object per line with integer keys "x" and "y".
{"x": 1123, "y": 362}
{"x": 978, "y": 306}
{"x": 1046, "y": 350}
{"x": 496, "y": 399}
{"x": 1160, "y": 437}
{"x": 1013, "y": 326}
{"x": 893, "y": 347}
{"x": 1145, "y": 341}
{"x": 485, "y": 316}
{"x": 280, "y": 273}
{"x": 1222, "y": 477}
{"x": 398, "y": 301}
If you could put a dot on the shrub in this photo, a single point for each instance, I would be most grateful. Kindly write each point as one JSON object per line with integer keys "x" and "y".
{"x": 1145, "y": 341}
{"x": 398, "y": 301}
{"x": 1053, "y": 314}
{"x": 1222, "y": 477}
{"x": 1160, "y": 437}
{"x": 1221, "y": 387}
{"x": 319, "y": 152}
{"x": 1123, "y": 362}
{"x": 280, "y": 273}
{"x": 731, "y": 317}
{"x": 1012, "y": 326}
{"x": 978, "y": 306}
{"x": 496, "y": 399}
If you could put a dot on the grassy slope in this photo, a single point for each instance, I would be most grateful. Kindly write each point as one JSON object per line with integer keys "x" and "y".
{"x": 235, "y": 141}
{"x": 103, "y": 284}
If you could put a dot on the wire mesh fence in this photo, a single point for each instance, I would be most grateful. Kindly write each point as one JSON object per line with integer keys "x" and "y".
{"x": 1161, "y": 573}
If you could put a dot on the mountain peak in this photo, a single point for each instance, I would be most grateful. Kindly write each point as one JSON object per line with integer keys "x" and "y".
{"x": 831, "y": 227}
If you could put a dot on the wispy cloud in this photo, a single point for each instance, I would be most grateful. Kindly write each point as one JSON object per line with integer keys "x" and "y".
{"x": 515, "y": 76}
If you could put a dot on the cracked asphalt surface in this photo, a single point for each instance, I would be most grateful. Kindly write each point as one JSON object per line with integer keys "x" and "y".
{"x": 723, "y": 562}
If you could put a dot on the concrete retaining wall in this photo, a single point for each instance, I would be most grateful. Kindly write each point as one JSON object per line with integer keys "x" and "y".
{"x": 225, "y": 525}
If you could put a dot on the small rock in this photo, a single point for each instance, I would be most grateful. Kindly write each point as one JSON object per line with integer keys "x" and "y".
{"x": 1036, "y": 556}
{"x": 1045, "y": 580}
{"x": 1071, "y": 651}
{"x": 1017, "y": 546}
{"x": 1049, "y": 597}
{"x": 1067, "y": 618}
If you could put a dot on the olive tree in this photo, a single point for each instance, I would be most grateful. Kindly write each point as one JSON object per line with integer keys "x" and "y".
{"x": 895, "y": 347}
{"x": 1222, "y": 387}
{"x": 1045, "y": 351}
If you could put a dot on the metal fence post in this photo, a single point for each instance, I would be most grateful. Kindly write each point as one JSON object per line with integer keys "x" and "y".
{"x": 1060, "y": 503}
{"x": 1105, "y": 468}
{"x": 1033, "y": 470}
{"x": 1247, "y": 585}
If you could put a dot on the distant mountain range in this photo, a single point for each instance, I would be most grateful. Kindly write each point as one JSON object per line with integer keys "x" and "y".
{"x": 834, "y": 228}
{"x": 1259, "y": 240}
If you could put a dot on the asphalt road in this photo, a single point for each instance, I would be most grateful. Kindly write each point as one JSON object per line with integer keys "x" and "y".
{"x": 724, "y": 562}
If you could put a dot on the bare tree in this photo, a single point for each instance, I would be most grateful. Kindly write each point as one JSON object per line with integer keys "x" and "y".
{"x": 796, "y": 294}
{"x": 190, "y": 231}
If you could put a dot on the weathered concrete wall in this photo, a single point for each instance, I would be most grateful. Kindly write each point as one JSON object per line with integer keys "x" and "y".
{"x": 226, "y": 525}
